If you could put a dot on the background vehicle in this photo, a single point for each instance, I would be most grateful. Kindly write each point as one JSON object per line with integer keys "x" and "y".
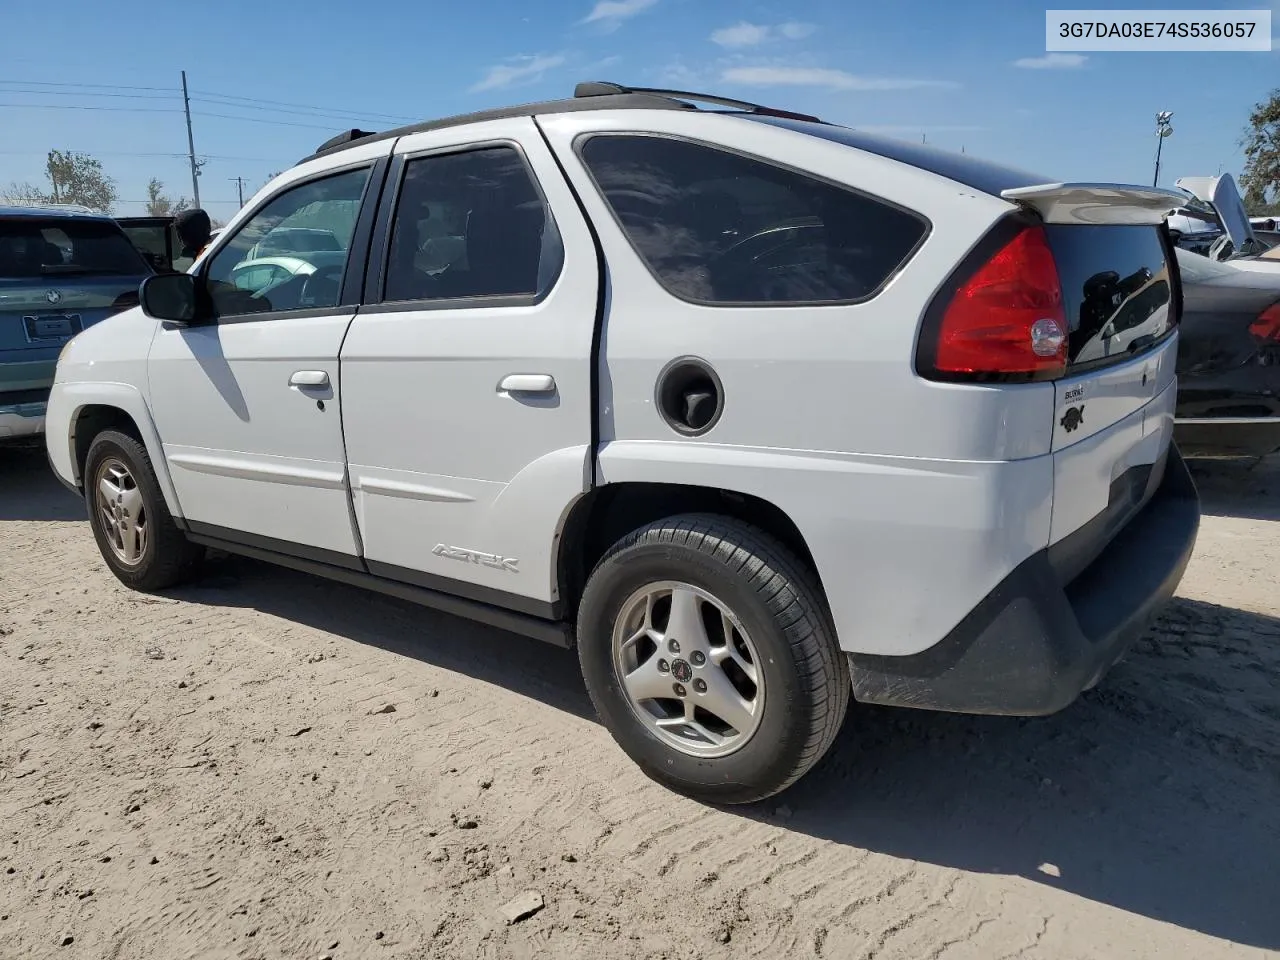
{"x": 285, "y": 240}
{"x": 1228, "y": 359}
{"x": 154, "y": 238}
{"x": 61, "y": 270}
{"x": 261, "y": 275}
{"x": 761, "y": 412}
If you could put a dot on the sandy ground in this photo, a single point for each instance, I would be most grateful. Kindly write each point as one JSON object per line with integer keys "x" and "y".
{"x": 220, "y": 774}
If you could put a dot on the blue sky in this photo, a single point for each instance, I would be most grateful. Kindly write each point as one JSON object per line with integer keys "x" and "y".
{"x": 972, "y": 75}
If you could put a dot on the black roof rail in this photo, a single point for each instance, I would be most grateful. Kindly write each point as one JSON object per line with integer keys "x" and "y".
{"x": 604, "y": 88}
{"x": 342, "y": 139}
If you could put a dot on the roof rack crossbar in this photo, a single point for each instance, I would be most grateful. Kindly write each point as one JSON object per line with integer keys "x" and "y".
{"x": 603, "y": 88}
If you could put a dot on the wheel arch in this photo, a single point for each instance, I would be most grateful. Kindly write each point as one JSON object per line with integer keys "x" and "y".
{"x": 605, "y": 514}
{"x": 115, "y": 407}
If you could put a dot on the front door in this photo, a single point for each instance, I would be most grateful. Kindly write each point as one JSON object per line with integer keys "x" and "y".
{"x": 467, "y": 374}
{"x": 247, "y": 406}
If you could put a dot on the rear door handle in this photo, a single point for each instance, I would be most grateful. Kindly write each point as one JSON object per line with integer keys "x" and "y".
{"x": 527, "y": 383}
{"x": 309, "y": 378}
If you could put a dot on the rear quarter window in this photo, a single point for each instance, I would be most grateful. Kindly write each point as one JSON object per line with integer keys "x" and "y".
{"x": 720, "y": 228}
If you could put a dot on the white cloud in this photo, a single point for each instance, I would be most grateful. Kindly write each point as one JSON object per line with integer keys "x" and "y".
{"x": 820, "y": 77}
{"x": 610, "y": 13}
{"x": 795, "y": 30}
{"x": 516, "y": 71}
{"x": 745, "y": 34}
{"x": 1052, "y": 61}
{"x": 741, "y": 35}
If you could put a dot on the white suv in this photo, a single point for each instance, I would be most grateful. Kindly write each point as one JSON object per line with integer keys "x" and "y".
{"x": 759, "y": 411}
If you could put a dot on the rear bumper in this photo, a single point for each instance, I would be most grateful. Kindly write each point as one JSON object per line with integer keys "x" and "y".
{"x": 1228, "y": 437}
{"x": 1033, "y": 644}
{"x": 21, "y": 419}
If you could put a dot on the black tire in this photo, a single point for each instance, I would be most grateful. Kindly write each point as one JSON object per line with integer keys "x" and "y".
{"x": 776, "y": 599}
{"x": 167, "y": 558}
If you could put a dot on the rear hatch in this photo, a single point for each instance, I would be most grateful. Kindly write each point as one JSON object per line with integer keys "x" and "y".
{"x": 1115, "y": 395}
{"x": 58, "y": 275}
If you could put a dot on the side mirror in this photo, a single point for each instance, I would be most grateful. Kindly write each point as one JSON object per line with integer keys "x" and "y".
{"x": 174, "y": 297}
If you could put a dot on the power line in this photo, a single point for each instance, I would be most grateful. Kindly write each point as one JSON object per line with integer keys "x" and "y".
{"x": 274, "y": 123}
{"x": 89, "y": 93}
{"x": 328, "y": 115}
{"x": 65, "y": 106}
{"x": 94, "y": 86}
{"x": 303, "y": 106}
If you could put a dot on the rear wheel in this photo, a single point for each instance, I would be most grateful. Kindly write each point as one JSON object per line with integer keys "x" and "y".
{"x": 708, "y": 654}
{"x": 135, "y": 532}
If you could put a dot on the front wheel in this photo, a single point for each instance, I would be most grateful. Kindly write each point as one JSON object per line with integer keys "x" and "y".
{"x": 135, "y": 532}
{"x": 708, "y": 654}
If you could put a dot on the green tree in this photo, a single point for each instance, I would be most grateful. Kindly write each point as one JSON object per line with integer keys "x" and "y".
{"x": 78, "y": 178}
{"x": 159, "y": 205}
{"x": 1261, "y": 142}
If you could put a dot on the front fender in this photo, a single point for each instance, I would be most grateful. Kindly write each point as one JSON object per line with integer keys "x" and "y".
{"x": 68, "y": 401}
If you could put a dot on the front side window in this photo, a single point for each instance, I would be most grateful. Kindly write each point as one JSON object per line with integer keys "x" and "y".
{"x": 316, "y": 220}
{"x": 471, "y": 224}
{"x": 717, "y": 227}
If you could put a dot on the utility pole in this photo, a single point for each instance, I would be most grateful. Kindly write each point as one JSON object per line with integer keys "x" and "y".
{"x": 239, "y": 182}
{"x": 191, "y": 143}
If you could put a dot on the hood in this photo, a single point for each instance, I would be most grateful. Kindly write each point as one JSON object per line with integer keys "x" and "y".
{"x": 1221, "y": 193}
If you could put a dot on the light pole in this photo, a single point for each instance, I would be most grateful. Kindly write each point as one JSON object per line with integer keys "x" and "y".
{"x": 1163, "y": 129}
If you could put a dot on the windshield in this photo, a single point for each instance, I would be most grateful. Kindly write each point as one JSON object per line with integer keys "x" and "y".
{"x": 32, "y": 248}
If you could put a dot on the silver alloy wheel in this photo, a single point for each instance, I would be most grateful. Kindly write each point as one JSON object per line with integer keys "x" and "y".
{"x": 689, "y": 669}
{"x": 121, "y": 513}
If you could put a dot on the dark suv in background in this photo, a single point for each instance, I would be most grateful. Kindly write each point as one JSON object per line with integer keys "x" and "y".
{"x": 61, "y": 269}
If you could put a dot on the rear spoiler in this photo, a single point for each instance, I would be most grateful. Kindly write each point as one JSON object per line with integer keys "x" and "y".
{"x": 1116, "y": 203}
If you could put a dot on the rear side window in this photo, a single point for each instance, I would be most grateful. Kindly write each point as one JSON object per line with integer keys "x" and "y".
{"x": 1115, "y": 289}
{"x": 32, "y": 248}
{"x": 471, "y": 224}
{"x": 717, "y": 227}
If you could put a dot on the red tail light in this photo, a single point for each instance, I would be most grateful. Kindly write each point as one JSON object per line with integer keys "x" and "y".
{"x": 1007, "y": 320}
{"x": 1267, "y": 326}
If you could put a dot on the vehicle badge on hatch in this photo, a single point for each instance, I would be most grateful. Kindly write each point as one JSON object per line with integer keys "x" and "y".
{"x": 53, "y": 296}
{"x": 1072, "y": 418}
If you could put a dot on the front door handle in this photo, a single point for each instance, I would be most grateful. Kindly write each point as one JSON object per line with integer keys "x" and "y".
{"x": 309, "y": 378}
{"x": 527, "y": 383}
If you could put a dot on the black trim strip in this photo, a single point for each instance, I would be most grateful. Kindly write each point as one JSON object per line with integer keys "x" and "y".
{"x": 353, "y": 273}
{"x": 558, "y": 634}
{"x": 376, "y": 267}
{"x": 302, "y": 551}
{"x": 489, "y": 596}
{"x": 269, "y": 548}
{"x": 455, "y": 303}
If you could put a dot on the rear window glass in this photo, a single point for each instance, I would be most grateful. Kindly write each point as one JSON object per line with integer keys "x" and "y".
{"x": 717, "y": 227}
{"x": 33, "y": 247}
{"x": 1115, "y": 287}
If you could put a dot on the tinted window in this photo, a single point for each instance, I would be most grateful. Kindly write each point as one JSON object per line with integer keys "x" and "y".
{"x": 313, "y": 278}
{"x": 1115, "y": 288}
{"x": 32, "y": 248}
{"x": 471, "y": 225}
{"x": 717, "y": 227}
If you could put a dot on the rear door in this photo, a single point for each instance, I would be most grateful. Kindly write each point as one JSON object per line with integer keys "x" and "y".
{"x": 467, "y": 373}
{"x": 1113, "y": 417}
